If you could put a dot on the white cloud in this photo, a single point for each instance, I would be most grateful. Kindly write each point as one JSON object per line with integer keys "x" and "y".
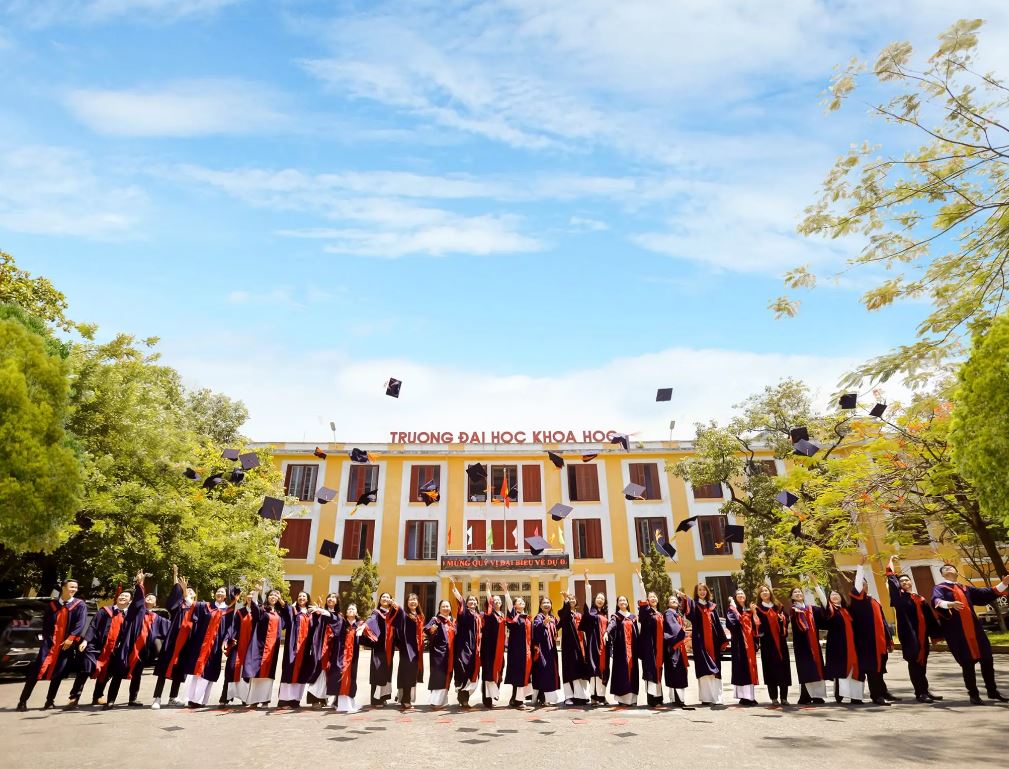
{"x": 285, "y": 296}
{"x": 187, "y": 108}
{"x": 44, "y": 13}
{"x": 617, "y": 395}
{"x": 585, "y": 224}
{"x": 58, "y": 191}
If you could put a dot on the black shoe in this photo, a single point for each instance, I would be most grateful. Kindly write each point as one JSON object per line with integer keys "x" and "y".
{"x": 839, "y": 699}
{"x": 818, "y": 701}
{"x": 805, "y": 700}
{"x": 880, "y": 701}
{"x": 109, "y": 705}
{"x": 924, "y": 698}
{"x": 997, "y": 697}
{"x": 784, "y": 701}
{"x": 488, "y": 703}
{"x": 935, "y": 697}
{"x": 891, "y": 698}
{"x": 190, "y": 705}
{"x": 975, "y": 699}
{"x": 134, "y": 704}
{"x": 774, "y": 703}
{"x": 855, "y": 702}
{"x": 50, "y": 705}
{"x": 72, "y": 705}
{"x": 22, "y": 707}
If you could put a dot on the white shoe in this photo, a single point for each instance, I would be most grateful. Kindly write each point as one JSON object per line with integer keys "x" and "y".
{"x": 177, "y": 702}
{"x": 156, "y": 705}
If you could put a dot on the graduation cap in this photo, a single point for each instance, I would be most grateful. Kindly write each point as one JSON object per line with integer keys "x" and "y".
{"x": 477, "y": 472}
{"x": 191, "y": 474}
{"x": 664, "y": 546}
{"x": 664, "y": 394}
{"x": 849, "y": 400}
{"x": 687, "y": 523}
{"x": 798, "y": 434}
{"x": 786, "y": 498}
{"x": 237, "y": 476}
{"x": 429, "y": 493}
{"x": 733, "y": 533}
{"x": 392, "y": 387}
{"x": 328, "y": 549}
{"x": 805, "y": 448}
{"x": 621, "y": 440}
{"x": 368, "y": 497}
{"x": 797, "y": 531}
{"x": 360, "y": 455}
{"x": 634, "y": 491}
{"x": 557, "y": 459}
{"x": 560, "y": 511}
{"x": 272, "y": 508}
{"x": 231, "y": 454}
{"x": 588, "y": 457}
{"x": 324, "y": 495}
{"x": 249, "y": 461}
{"x": 213, "y": 481}
{"x": 319, "y": 453}
{"x": 537, "y": 544}
{"x": 877, "y": 410}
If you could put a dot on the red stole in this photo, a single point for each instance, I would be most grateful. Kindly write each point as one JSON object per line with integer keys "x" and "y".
{"x": 347, "y": 664}
{"x": 327, "y": 637}
{"x": 746, "y": 622}
{"x": 966, "y": 620}
{"x": 500, "y": 645}
{"x": 849, "y": 642}
{"x": 299, "y": 654}
{"x": 919, "y": 613}
{"x": 448, "y": 626}
{"x": 878, "y": 629}
{"x": 115, "y": 624}
{"x": 244, "y": 636}
{"x": 59, "y": 636}
{"x": 628, "y": 625}
{"x": 602, "y": 643}
{"x": 807, "y": 624}
{"x": 138, "y": 645}
{"x": 478, "y": 618}
{"x": 208, "y": 641}
{"x": 773, "y": 620}
{"x": 269, "y": 643}
{"x": 180, "y": 639}
{"x": 705, "y": 620}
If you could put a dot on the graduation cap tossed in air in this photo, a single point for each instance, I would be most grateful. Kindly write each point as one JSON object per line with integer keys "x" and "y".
{"x": 191, "y": 474}
{"x": 477, "y": 472}
{"x": 798, "y": 434}
{"x": 734, "y": 533}
{"x": 231, "y": 454}
{"x": 213, "y": 481}
{"x": 557, "y": 459}
{"x": 272, "y": 508}
{"x": 621, "y": 440}
{"x": 664, "y": 546}
{"x": 249, "y": 461}
{"x": 687, "y": 523}
{"x": 786, "y": 498}
{"x": 237, "y": 476}
{"x": 848, "y": 401}
{"x": 537, "y": 544}
{"x": 429, "y": 493}
{"x": 392, "y": 387}
{"x": 877, "y": 410}
{"x": 634, "y": 491}
{"x": 588, "y": 457}
{"x": 360, "y": 455}
{"x": 806, "y": 448}
{"x": 664, "y": 394}
{"x": 325, "y": 495}
{"x": 369, "y": 496}
{"x": 328, "y": 549}
{"x": 560, "y": 511}
{"x": 319, "y": 453}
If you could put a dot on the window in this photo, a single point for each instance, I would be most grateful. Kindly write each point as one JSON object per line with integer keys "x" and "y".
{"x": 532, "y": 528}
{"x": 476, "y": 535}
{"x": 498, "y": 530}
{"x": 425, "y": 596}
{"x": 646, "y": 530}
{"x": 358, "y": 539}
{"x": 708, "y": 491}
{"x": 712, "y": 532}
{"x": 596, "y": 586}
{"x": 343, "y": 590}
{"x": 924, "y": 581}
{"x": 421, "y": 541}
{"x": 419, "y": 475}
{"x": 646, "y": 474}
{"x": 588, "y": 537}
{"x": 476, "y": 490}
{"x": 762, "y": 467}
{"x": 300, "y": 481}
{"x": 722, "y": 588}
{"x": 297, "y": 586}
{"x": 531, "y": 491}
{"x": 583, "y": 483}
{"x": 295, "y": 537}
{"x": 362, "y": 478}
{"x": 498, "y": 473}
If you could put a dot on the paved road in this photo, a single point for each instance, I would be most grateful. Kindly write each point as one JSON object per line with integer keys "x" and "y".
{"x": 950, "y": 734}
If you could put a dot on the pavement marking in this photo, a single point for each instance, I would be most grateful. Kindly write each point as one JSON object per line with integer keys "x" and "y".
{"x": 375, "y": 728}
{"x": 337, "y": 726}
{"x": 547, "y": 733}
{"x": 341, "y": 739}
{"x": 171, "y": 728}
{"x": 508, "y": 731}
{"x": 626, "y": 734}
{"x": 473, "y": 741}
{"x": 467, "y": 729}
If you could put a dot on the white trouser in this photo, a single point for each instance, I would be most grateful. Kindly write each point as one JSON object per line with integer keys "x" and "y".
{"x": 260, "y": 691}
{"x": 238, "y": 690}
{"x": 851, "y": 688}
{"x": 318, "y": 687}
{"x": 673, "y": 694}
{"x": 596, "y": 687}
{"x": 747, "y": 692}
{"x": 292, "y": 691}
{"x": 817, "y": 689}
{"x": 411, "y": 693}
{"x": 556, "y": 697}
{"x": 523, "y": 692}
{"x": 437, "y": 697}
{"x": 470, "y": 686}
{"x": 576, "y": 690}
{"x": 709, "y": 689}
{"x": 198, "y": 689}
{"x": 626, "y": 699}
{"x": 653, "y": 688}
{"x": 345, "y": 704}
{"x": 491, "y": 690}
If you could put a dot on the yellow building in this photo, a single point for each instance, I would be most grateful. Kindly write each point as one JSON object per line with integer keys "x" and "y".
{"x": 472, "y": 537}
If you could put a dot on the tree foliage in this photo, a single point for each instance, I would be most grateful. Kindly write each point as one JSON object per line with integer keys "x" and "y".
{"x": 935, "y": 217}
{"x": 37, "y": 296}
{"x": 655, "y": 576}
{"x": 215, "y": 415}
{"x": 364, "y": 581}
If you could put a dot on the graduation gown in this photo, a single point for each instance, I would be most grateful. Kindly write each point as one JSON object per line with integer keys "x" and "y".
{"x": 574, "y": 666}
{"x": 962, "y": 629}
{"x": 650, "y": 638}
{"x": 102, "y": 635}
{"x": 409, "y": 635}
{"x": 492, "y": 645}
{"x": 380, "y": 637}
{"x": 242, "y": 625}
{"x": 132, "y": 636}
{"x": 211, "y": 626}
{"x": 707, "y": 636}
{"x": 179, "y": 629}
{"x": 519, "y": 654}
{"x": 441, "y": 635}
{"x": 674, "y": 650}
{"x": 593, "y": 625}
{"x": 546, "y": 672}
{"x": 622, "y": 640}
{"x": 916, "y": 621}
{"x": 466, "y": 648}
{"x": 341, "y": 680}
{"x": 805, "y": 624}
{"x": 264, "y": 644}
{"x": 743, "y": 630}
{"x": 842, "y": 652}
{"x": 297, "y": 667}
{"x": 59, "y": 623}
{"x": 873, "y": 636}
{"x": 772, "y": 634}
{"x": 321, "y": 643}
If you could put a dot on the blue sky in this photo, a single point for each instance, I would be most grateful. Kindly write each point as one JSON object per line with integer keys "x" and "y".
{"x": 529, "y": 211}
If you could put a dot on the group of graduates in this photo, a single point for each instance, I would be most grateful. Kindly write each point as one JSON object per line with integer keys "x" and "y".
{"x": 578, "y": 656}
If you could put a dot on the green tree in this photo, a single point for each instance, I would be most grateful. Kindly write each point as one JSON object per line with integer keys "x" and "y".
{"x": 980, "y": 428}
{"x": 35, "y": 295}
{"x": 215, "y": 415}
{"x": 936, "y": 217}
{"x": 40, "y": 480}
{"x": 364, "y": 581}
{"x": 655, "y": 577}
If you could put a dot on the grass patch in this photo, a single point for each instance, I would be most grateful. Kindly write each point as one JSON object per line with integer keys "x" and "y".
{"x": 998, "y": 638}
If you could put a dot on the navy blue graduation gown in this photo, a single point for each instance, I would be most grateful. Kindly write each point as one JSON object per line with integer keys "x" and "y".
{"x": 410, "y": 645}
{"x": 102, "y": 635}
{"x": 321, "y": 642}
{"x": 297, "y": 667}
{"x": 873, "y": 636}
{"x": 772, "y": 632}
{"x": 707, "y": 636}
{"x": 130, "y": 644}
{"x": 593, "y": 626}
{"x": 916, "y": 620}
{"x": 468, "y": 639}
{"x": 805, "y": 624}
{"x": 842, "y": 652}
{"x": 441, "y": 638}
{"x": 675, "y": 663}
{"x": 546, "y": 672}
{"x": 492, "y": 646}
{"x": 60, "y": 623}
{"x": 743, "y": 630}
{"x": 650, "y": 639}
{"x": 622, "y": 640}
{"x": 962, "y": 629}
{"x": 574, "y": 666}
{"x": 380, "y": 637}
{"x": 263, "y": 651}
{"x": 342, "y": 677}
{"x": 179, "y": 628}
{"x": 211, "y": 626}
{"x": 241, "y": 627}
{"x": 520, "y": 656}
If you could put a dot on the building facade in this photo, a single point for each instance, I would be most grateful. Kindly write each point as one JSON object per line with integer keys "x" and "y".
{"x": 471, "y": 536}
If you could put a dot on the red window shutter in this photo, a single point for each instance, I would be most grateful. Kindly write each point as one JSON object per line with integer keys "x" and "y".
{"x": 637, "y": 471}
{"x": 531, "y": 484}
{"x": 352, "y": 539}
{"x": 368, "y": 535}
{"x": 297, "y": 586}
{"x": 529, "y": 528}
{"x": 594, "y": 538}
{"x": 411, "y": 532}
{"x": 591, "y": 483}
{"x": 497, "y": 529}
{"x": 651, "y": 481}
{"x": 415, "y": 483}
{"x": 287, "y": 481}
{"x": 479, "y": 535}
{"x": 295, "y": 537}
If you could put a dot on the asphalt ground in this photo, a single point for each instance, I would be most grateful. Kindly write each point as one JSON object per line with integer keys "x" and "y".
{"x": 952, "y": 733}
